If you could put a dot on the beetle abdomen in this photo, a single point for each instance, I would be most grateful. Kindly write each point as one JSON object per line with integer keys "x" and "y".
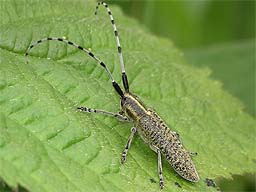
{"x": 154, "y": 131}
{"x": 181, "y": 161}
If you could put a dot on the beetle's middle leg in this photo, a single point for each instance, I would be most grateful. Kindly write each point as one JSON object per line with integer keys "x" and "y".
{"x": 128, "y": 144}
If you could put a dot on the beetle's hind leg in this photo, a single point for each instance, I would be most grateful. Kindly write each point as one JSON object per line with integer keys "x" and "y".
{"x": 193, "y": 153}
{"x": 128, "y": 144}
{"x": 160, "y": 167}
{"x": 119, "y": 116}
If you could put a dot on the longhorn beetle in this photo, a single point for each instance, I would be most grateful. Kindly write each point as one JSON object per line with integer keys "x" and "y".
{"x": 147, "y": 123}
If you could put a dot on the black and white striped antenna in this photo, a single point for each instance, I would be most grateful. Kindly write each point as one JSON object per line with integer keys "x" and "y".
{"x": 115, "y": 85}
{"x": 119, "y": 49}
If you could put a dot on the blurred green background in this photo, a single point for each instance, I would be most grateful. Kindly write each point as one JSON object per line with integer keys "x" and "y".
{"x": 195, "y": 23}
{"x": 219, "y": 35}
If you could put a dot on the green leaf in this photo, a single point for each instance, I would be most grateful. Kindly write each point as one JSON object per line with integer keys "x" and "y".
{"x": 233, "y": 64}
{"x": 47, "y": 145}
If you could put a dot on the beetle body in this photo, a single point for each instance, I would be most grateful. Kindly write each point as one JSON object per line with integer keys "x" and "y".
{"x": 157, "y": 134}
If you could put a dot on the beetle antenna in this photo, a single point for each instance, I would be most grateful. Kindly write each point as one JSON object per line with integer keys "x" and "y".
{"x": 114, "y": 83}
{"x": 119, "y": 49}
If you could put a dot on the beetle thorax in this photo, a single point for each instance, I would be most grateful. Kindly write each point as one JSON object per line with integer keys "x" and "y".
{"x": 132, "y": 106}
